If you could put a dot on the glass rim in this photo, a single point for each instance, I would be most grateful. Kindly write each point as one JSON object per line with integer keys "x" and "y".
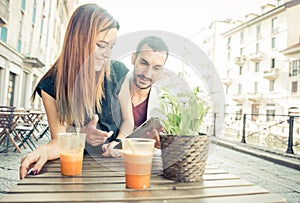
{"x": 141, "y": 140}
{"x": 71, "y": 133}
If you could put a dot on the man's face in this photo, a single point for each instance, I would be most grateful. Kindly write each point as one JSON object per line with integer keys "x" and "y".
{"x": 148, "y": 65}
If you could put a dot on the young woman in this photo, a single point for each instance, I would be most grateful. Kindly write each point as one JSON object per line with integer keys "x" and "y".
{"x": 84, "y": 88}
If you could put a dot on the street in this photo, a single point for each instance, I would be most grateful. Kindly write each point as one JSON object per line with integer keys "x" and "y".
{"x": 273, "y": 177}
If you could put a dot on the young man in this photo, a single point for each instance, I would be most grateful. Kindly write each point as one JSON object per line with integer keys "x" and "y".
{"x": 148, "y": 60}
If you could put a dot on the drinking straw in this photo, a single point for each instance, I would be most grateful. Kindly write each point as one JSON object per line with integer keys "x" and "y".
{"x": 78, "y": 134}
{"x": 131, "y": 146}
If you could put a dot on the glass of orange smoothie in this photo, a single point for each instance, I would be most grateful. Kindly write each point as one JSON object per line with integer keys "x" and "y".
{"x": 71, "y": 146}
{"x": 138, "y": 154}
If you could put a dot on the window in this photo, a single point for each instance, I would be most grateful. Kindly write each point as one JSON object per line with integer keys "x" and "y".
{"x": 11, "y": 89}
{"x": 274, "y": 24}
{"x": 228, "y": 41}
{"x": 19, "y": 48}
{"x": 42, "y": 27}
{"x": 34, "y": 15}
{"x": 242, "y": 37}
{"x": 238, "y": 113}
{"x": 3, "y": 34}
{"x": 23, "y": 5}
{"x": 20, "y": 33}
{"x": 257, "y": 47}
{"x": 271, "y": 85}
{"x": 294, "y": 88}
{"x": 241, "y": 70}
{"x": 241, "y": 51}
{"x": 256, "y": 67}
{"x": 228, "y": 55}
{"x": 240, "y": 88}
{"x": 255, "y": 112}
{"x": 255, "y": 87}
{"x": 270, "y": 114}
{"x": 295, "y": 68}
{"x": 273, "y": 42}
{"x": 227, "y": 89}
{"x": 273, "y": 63}
{"x": 258, "y": 31}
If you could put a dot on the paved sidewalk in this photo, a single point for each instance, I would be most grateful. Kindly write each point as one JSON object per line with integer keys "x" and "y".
{"x": 10, "y": 164}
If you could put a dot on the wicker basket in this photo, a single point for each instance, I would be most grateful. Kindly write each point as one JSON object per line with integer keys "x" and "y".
{"x": 184, "y": 157}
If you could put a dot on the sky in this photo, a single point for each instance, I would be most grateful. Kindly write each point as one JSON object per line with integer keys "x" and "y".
{"x": 183, "y": 17}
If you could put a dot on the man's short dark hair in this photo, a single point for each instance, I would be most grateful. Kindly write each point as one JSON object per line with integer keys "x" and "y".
{"x": 155, "y": 43}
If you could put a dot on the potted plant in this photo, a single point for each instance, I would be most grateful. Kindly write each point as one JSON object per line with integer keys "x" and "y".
{"x": 184, "y": 148}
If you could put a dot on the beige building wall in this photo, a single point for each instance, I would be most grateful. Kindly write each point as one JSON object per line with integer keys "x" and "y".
{"x": 33, "y": 41}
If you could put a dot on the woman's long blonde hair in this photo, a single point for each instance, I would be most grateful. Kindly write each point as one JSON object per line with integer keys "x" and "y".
{"x": 79, "y": 88}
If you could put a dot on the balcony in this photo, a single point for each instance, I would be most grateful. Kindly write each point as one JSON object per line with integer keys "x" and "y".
{"x": 254, "y": 97}
{"x": 226, "y": 81}
{"x": 271, "y": 74}
{"x": 259, "y": 36}
{"x": 239, "y": 98}
{"x": 4, "y": 12}
{"x": 34, "y": 61}
{"x": 255, "y": 57}
{"x": 240, "y": 60}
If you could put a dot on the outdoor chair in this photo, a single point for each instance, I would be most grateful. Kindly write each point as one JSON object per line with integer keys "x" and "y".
{"x": 7, "y": 132}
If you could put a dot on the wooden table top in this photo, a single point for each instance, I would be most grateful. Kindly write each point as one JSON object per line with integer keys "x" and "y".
{"x": 103, "y": 180}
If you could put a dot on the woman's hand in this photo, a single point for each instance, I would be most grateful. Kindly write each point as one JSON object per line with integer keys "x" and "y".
{"x": 94, "y": 136}
{"x": 109, "y": 151}
{"x": 34, "y": 160}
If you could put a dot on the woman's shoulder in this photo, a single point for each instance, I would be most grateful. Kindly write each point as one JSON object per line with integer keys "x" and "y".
{"x": 118, "y": 70}
{"x": 118, "y": 67}
{"x": 47, "y": 84}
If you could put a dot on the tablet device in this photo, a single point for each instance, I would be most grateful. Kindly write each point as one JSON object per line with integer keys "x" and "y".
{"x": 141, "y": 131}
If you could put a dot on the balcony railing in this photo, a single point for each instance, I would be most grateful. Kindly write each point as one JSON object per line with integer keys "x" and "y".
{"x": 226, "y": 81}
{"x": 271, "y": 74}
{"x": 239, "y": 98}
{"x": 240, "y": 60}
{"x": 255, "y": 57}
{"x": 253, "y": 96}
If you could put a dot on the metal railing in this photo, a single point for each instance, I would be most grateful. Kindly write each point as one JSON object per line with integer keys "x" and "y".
{"x": 277, "y": 132}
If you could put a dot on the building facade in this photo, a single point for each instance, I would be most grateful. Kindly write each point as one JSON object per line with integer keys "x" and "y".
{"x": 293, "y": 66}
{"x": 31, "y": 36}
{"x": 257, "y": 61}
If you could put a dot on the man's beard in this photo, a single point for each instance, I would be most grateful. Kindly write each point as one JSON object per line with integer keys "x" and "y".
{"x": 142, "y": 77}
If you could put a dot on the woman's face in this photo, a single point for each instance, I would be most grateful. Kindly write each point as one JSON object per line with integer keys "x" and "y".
{"x": 104, "y": 44}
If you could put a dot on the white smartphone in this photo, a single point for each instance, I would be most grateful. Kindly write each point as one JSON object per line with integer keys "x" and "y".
{"x": 141, "y": 131}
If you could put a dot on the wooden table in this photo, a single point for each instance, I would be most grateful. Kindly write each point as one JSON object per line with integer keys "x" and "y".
{"x": 103, "y": 180}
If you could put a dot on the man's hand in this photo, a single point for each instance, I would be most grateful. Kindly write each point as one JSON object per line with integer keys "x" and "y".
{"x": 109, "y": 151}
{"x": 94, "y": 136}
{"x": 154, "y": 135}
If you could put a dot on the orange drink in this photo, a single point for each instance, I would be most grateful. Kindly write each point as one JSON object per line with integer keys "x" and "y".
{"x": 71, "y": 162}
{"x": 138, "y": 154}
{"x": 71, "y": 147}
